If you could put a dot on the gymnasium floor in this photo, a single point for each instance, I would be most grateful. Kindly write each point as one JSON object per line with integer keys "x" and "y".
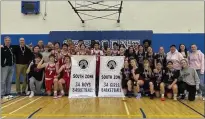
{"x": 47, "y": 107}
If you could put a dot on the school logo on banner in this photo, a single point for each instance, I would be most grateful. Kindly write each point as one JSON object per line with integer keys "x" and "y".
{"x": 82, "y": 83}
{"x": 110, "y": 77}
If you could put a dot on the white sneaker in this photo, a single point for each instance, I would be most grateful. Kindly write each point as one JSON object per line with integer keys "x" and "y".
{"x": 203, "y": 98}
{"x": 28, "y": 92}
{"x": 175, "y": 98}
{"x": 10, "y": 96}
{"x": 31, "y": 95}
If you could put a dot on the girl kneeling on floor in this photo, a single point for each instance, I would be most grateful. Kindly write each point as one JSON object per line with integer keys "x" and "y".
{"x": 63, "y": 78}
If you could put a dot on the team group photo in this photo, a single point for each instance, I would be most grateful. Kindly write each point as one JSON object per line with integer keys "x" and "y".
{"x": 102, "y": 70}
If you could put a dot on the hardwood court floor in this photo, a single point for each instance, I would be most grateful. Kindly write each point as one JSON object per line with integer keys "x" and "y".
{"x": 47, "y": 107}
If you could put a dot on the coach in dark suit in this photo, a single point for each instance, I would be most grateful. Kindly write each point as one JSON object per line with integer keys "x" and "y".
{"x": 7, "y": 67}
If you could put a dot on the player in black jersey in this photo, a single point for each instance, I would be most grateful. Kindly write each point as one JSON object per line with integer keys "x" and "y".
{"x": 157, "y": 79}
{"x": 126, "y": 81}
{"x": 135, "y": 73}
{"x": 170, "y": 79}
{"x": 140, "y": 55}
{"x": 130, "y": 53}
{"x": 161, "y": 57}
{"x": 150, "y": 57}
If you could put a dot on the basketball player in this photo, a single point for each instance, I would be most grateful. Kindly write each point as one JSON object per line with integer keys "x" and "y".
{"x": 64, "y": 78}
{"x": 146, "y": 76}
{"x": 115, "y": 51}
{"x": 150, "y": 56}
{"x": 140, "y": 56}
{"x": 122, "y": 51}
{"x": 56, "y": 51}
{"x": 160, "y": 57}
{"x": 126, "y": 73}
{"x": 170, "y": 79}
{"x": 158, "y": 74}
{"x": 146, "y": 43}
{"x": 46, "y": 54}
{"x": 64, "y": 52}
{"x": 130, "y": 53}
{"x": 50, "y": 72}
{"x": 108, "y": 52}
{"x": 82, "y": 50}
{"x": 96, "y": 51}
{"x": 135, "y": 73}
{"x": 190, "y": 80}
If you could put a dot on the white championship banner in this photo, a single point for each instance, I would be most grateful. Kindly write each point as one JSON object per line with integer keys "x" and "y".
{"x": 82, "y": 84}
{"x": 110, "y": 77}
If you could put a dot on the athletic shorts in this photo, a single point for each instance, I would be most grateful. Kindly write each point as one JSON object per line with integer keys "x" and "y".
{"x": 168, "y": 90}
{"x": 124, "y": 83}
{"x": 49, "y": 84}
{"x": 146, "y": 84}
{"x": 156, "y": 86}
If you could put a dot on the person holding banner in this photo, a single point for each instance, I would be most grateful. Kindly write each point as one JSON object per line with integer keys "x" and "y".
{"x": 122, "y": 51}
{"x": 135, "y": 73}
{"x": 63, "y": 78}
{"x": 82, "y": 50}
{"x": 96, "y": 51}
{"x": 115, "y": 51}
{"x": 145, "y": 78}
{"x": 158, "y": 74}
{"x": 108, "y": 52}
{"x": 50, "y": 72}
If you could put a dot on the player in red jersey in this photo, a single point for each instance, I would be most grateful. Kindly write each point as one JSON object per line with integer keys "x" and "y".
{"x": 63, "y": 78}
{"x": 96, "y": 51}
{"x": 115, "y": 51}
{"x": 50, "y": 72}
{"x": 82, "y": 50}
{"x": 64, "y": 52}
{"x": 56, "y": 51}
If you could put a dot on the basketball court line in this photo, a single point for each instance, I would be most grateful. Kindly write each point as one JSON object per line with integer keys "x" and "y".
{"x": 11, "y": 99}
{"x": 192, "y": 108}
{"x": 126, "y": 108}
{"x": 13, "y": 102}
{"x": 29, "y": 117}
{"x": 22, "y": 106}
{"x": 143, "y": 114}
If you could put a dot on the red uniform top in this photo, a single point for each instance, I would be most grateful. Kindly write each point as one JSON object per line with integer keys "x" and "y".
{"x": 98, "y": 53}
{"x": 66, "y": 72}
{"x": 115, "y": 52}
{"x": 50, "y": 71}
{"x": 62, "y": 59}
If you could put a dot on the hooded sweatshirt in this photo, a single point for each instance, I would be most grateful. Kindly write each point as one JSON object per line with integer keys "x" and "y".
{"x": 196, "y": 61}
{"x": 175, "y": 57}
{"x": 190, "y": 76}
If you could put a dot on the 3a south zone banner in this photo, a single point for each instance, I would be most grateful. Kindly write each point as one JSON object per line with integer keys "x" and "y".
{"x": 110, "y": 77}
{"x": 83, "y": 71}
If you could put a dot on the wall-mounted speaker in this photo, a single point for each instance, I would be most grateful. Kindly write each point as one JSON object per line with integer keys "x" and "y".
{"x": 30, "y": 7}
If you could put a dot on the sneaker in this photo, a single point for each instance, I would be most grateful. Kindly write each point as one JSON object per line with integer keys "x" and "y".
{"x": 175, "y": 98}
{"x": 162, "y": 98}
{"x": 28, "y": 92}
{"x": 139, "y": 95}
{"x": 61, "y": 95}
{"x": 55, "y": 96}
{"x": 23, "y": 94}
{"x": 151, "y": 96}
{"x": 10, "y": 96}
{"x": 5, "y": 97}
{"x": 31, "y": 95}
{"x": 203, "y": 98}
{"x": 183, "y": 96}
